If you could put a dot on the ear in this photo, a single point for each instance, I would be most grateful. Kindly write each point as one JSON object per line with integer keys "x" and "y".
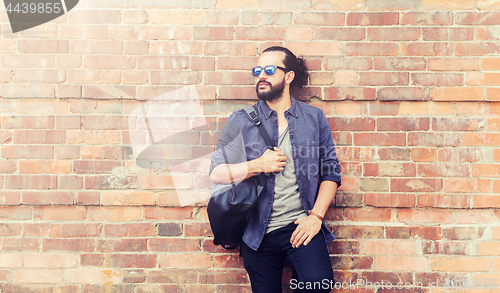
{"x": 289, "y": 76}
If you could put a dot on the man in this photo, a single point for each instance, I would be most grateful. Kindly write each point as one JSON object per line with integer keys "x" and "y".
{"x": 303, "y": 171}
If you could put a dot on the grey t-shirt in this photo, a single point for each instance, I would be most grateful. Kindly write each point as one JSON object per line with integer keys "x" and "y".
{"x": 287, "y": 205}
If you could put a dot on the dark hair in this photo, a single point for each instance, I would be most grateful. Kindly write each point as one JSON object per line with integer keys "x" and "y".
{"x": 294, "y": 64}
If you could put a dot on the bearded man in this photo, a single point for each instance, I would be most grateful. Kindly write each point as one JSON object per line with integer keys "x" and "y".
{"x": 303, "y": 171}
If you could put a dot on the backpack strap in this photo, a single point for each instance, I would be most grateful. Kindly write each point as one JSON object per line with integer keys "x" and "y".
{"x": 253, "y": 115}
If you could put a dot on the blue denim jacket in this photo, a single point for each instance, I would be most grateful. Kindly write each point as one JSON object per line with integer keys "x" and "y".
{"x": 313, "y": 151}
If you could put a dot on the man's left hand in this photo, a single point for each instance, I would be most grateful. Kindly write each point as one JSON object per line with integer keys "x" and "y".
{"x": 307, "y": 228}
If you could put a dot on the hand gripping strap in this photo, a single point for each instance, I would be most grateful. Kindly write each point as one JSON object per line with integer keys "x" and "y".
{"x": 253, "y": 115}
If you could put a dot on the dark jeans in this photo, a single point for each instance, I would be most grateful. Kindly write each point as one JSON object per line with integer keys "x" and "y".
{"x": 311, "y": 263}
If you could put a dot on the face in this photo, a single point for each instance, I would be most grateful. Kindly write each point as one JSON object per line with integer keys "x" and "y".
{"x": 270, "y": 87}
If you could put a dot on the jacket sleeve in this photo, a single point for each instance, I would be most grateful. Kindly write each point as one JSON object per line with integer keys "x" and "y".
{"x": 329, "y": 164}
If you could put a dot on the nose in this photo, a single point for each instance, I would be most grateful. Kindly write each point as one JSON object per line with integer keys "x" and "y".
{"x": 262, "y": 75}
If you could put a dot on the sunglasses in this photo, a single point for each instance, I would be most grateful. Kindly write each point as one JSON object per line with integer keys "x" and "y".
{"x": 268, "y": 70}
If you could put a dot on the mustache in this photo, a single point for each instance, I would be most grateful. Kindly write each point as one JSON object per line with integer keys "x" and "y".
{"x": 262, "y": 81}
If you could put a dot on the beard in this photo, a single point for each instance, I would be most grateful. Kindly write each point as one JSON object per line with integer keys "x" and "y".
{"x": 274, "y": 92}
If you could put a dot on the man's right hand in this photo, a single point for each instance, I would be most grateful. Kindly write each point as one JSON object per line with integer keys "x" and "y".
{"x": 271, "y": 161}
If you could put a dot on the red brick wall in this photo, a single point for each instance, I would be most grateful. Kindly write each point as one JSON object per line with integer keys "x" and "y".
{"x": 411, "y": 89}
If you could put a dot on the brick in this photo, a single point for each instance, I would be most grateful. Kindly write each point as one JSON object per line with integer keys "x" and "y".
{"x": 69, "y": 61}
{"x": 423, "y": 155}
{"x": 380, "y": 108}
{"x": 447, "y": 248}
{"x": 47, "y": 198}
{"x": 460, "y": 264}
{"x": 165, "y": 181}
{"x": 463, "y": 233}
{"x": 136, "y": 48}
{"x": 427, "y": 18}
{"x": 399, "y": 64}
{"x": 348, "y": 200}
{"x": 482, "y": 109}
{"x": 259, "y": 33}
{"x": 393, "y": 34}
{"x": 222, "y": 17}
{"x": 95, "y": 17}
{"x": 130, "y": 230}
{"x": 230, "y": 48}
{"x": 94, "y": 76}
{"x": 36, "y": 230}
{"x": 110, "y": 32}
{"x": 31, "y": 182}
{"x": 401, "y": 263}
{"x": 371, "y": 49}
{"x": 373, "y": 184}
{"x": 319, "y": 19}
{"x": 131, "y": 261}
{"x": 28, "y": 61}
{"x": 402, "y": 124}
{"x": 7, "y": 167}
{"x": 338, "y": 5}
{"x": 447, "y": 34}
{"x": 359, "y": 154}
{"x": 160, "y": 62}
{"x": 114, "y": 214}
{"x": 42, "y": 46}
{"x": 425, "y": 49}
{"x": 60, "y": 213}
{"x": 473, "y": 216}
{"x": 352, "y": 263}
{"x": 443, "y": 170}
{"x": 20, "y": 244}
{"x": 10, "y": 260}
{"x": 175, "y": 77}
{"x": 97, "y": 167}
{"x": 462, "y": 155}
{"x": 389, "y": 169}
{"x": 380, "y": 139}
{"x": 109, "y": 62}
{"x": 443, "y": 200}
{"x": 39, "y": 76}
{"x": 44, "y": 167}
{"x": 174, "y": 244}
{"x": 8, "y": 198}
{"x": 424, "y": 216}
{"x": 434, "y": 139}
{"x": 486, "y": 34}
{"x": 437, "y": 79}
{"x": 165, "y": 33}
{"x": 315, "y": 48}
{"x": 94, "y": 276}
{"x": 476, "y": 78}
{"x": 429, "y": 233}
{"x": 75, "y": 230}
{"x": 476, "y": 49}
{"x": 86, "y": 245}
{"x": 87, "y": 198}
{"x": 358, "y": 232}
{"x": 389, "y": 200}
{"x": 299, "y": 34}
{"x": 347, "y": 63}
{"x": 170, "y": 229}
{"x": 135, "y": 16}
{"x": 10, "y": 229}
{"x": 486, "y": 201}
{"x": 185, "y": 261}
{"x": 28, "y": 91}
{"x": 403, "y": 94}
{"x": 425, "y": 109}
{"x": 368, "y": 214}
{"x": 133, "y": 77}
{"x": 457, "y": 124}
{"x": 127, "y": 198}
{"x": 492, "y": 94}
{"x": 481, "y": 139}
{"x": 354, "y": 93}
{"x": 416, "y": 185}
{"x": 397, "y": 232}
{"x": 67, "y": 152}
{"x": 340, "y": 34}
{"x": 105, "y": 182}
{"x": 7, "y": 46}
{"x": 228, "y": 261}
{"x": 381, "y": 247}
{"x": 382, "y": 78}
{"x": 446, "y": 5}
{"x": 485, "y": 170}
{"x": 39, "y": 137}
{"x": 376, "y": 18}
{"x": 96, "y": 47}
{"x": 454, "y": 64}
{"x": 167, "y": 213}
{"x": 351, "y": 124}
{"x": 477, "y": 18}
{"x": 49, "y": 261}
{"x": 37, "y": 276}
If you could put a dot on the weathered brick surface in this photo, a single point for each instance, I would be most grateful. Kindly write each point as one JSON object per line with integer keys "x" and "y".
{"x": 410, "y": 89}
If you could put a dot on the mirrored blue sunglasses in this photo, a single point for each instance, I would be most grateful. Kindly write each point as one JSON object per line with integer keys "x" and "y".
{"x": 268, "y": 70}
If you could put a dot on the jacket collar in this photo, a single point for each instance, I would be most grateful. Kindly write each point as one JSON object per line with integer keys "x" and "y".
{"x": 264, "y": 108}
